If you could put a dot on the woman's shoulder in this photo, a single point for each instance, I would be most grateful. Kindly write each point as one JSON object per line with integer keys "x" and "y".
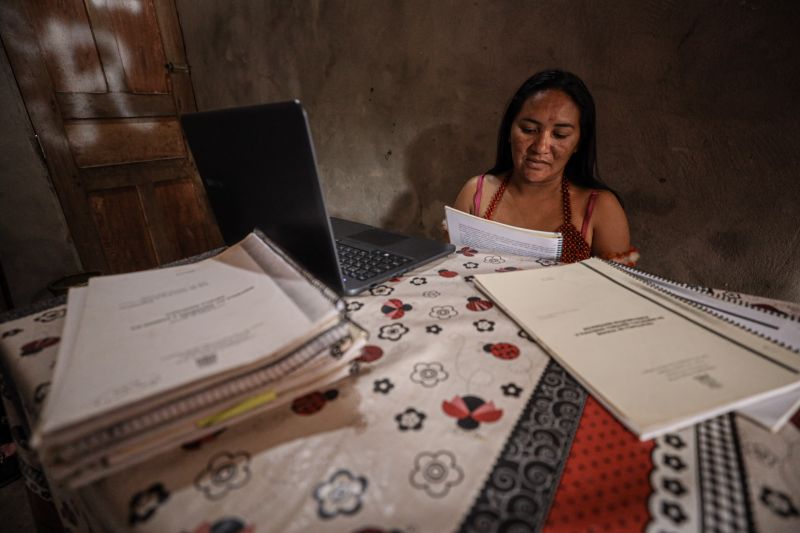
{"x": 486, "y": 182}
{"x": 485, "y": 179}
{"x": 603, "y": 199}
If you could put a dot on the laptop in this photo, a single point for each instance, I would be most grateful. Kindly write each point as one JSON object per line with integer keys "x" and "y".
{"x": 259, "y": 169}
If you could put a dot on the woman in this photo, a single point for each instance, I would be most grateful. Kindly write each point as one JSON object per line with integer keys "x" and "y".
{"x": 545, "y": 176}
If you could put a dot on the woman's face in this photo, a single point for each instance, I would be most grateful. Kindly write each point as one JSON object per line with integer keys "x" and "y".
{"x": 544, "y": 135}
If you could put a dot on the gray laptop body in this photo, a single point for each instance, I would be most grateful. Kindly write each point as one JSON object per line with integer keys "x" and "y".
{"x": 260, "y": 171}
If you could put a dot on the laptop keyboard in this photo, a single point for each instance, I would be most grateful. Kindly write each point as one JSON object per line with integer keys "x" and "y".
{"x": 364, "y": 264}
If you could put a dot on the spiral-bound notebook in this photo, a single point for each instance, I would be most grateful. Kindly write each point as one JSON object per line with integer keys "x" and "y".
{"x": 779, "y": 327}
{"x": 657, "y": 362}
{"x": 157, "y": 358}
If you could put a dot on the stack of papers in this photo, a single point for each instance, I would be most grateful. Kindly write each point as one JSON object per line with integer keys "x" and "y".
{"x": 657, "y": 362}
{"x": 490, "y": 236}
{"x": 154, "y": 359}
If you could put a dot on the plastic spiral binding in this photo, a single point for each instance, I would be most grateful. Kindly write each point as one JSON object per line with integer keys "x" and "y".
{"x": 662, "y": 285}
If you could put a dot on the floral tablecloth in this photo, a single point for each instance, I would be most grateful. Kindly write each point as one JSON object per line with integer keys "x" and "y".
{"x": 455, "y": 421}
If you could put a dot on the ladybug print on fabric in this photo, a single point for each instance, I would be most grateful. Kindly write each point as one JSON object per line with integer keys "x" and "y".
{"x": 476, "y": 303}
{"x": 502, "y": 350}
{"x": 447, "y": 273}
{"x": 466, "y": 251}
{"x": 395, "y": 308}
{"x": 38, "y": 345}
{"x": 471, "y": 411}
{"x": 313, "y": 403}
{"x": 370, "y": 353}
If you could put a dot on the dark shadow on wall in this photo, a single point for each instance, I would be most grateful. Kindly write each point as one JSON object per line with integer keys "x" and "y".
{"x": 438, "y": 163}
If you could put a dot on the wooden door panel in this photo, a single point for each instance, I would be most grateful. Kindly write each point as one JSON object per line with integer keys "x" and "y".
{"x": 135, "y": 174}
{"x": 123, "y": 229}
{"x": 114, "y": 105}
{"x": 182, "y": 216}
{"x": 94, "y": 77}
{"x": 130, "y": 44}
{"x": 110, "y": 142}
{"x": 67, "y": 45}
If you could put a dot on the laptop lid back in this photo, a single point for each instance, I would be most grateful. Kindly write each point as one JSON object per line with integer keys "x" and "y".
{"x": 258, "y": 165}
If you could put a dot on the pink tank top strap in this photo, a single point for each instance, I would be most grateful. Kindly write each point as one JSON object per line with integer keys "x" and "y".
{"x": 588, "y": 214}
{"x": 476, "y": 200}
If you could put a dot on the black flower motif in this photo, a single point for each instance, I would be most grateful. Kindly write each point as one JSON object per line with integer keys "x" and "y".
{"x": 435, "y": 329}
{"x": 382, "y": 386}
{"x": 225, "y": 471}
{"x": 674, "y": 486}
{"x": 547, "y": 262}
{"x": 484, "y": 325}
{"x": 410, "y": 419}
{"x": 524, "y": 334}
{"x": 674, "y": 462}
{"x": 381, "y": 290}
{"x": 418, "y": 281}
{"x": 778, "y": 502}
{"x": 429, "y": 374}
{"x": 675, "y": 441}
{"x": 674, "y": 512}
{"x": 11, "y": 333}
{"x": 443, "y": 312}
{"x": 392, "y": 332}
{"x": 493, "y": 259}
{"x": 471, "y": 265}
{"x": 469, "y": 279}
{"x": 431, "y": 294}
{"x": 340, "y": 494}
{"x": 511, "y": 389}
{"x": 354, "y": 306}
{"x": 144, "y": 504}
{"x": 52, "y": 314}
{"x": 435, "y": 473}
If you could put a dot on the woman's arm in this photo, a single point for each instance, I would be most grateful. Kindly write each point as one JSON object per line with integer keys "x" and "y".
{"x": 610, "y": 232}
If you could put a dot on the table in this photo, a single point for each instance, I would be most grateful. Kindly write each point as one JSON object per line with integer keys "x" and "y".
{"x": 456, "y": 421}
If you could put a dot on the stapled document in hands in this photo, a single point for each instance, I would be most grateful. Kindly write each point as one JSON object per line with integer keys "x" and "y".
{"x": 490, "y": 236}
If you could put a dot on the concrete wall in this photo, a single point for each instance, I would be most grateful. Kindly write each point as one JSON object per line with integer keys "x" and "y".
{"x": 697, "y": 101}
{"x": 697, "y": 105}
{"x": 35, "y": 245}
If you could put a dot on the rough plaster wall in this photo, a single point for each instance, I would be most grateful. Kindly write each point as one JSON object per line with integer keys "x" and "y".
{"x": 697, "y": 106}
{"x": 35, "y": 247}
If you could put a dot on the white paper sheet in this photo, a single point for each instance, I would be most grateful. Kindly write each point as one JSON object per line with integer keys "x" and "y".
{"x": 488, "y": 236}
{"x": 656, "y": 363}
{"x": 147, "y": 332}
{"x": 774, "y": 412}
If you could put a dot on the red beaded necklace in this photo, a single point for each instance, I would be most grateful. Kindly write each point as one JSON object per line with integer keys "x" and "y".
{"x": 575, "y": 248}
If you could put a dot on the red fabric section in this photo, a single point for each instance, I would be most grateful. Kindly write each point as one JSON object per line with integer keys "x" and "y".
{"x": 605, "y": 485}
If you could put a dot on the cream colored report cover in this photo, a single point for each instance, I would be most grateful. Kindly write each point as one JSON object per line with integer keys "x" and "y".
{"x": 654, "y": 362}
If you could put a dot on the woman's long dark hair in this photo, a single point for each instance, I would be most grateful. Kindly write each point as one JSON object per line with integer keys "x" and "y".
{"x": 581, "y": 168}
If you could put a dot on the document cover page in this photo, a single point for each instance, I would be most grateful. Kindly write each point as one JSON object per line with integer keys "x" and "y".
{"x": 656, "y": 363}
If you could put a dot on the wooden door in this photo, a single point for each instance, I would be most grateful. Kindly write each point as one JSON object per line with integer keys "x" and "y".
{"x": 104, "y": 82}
